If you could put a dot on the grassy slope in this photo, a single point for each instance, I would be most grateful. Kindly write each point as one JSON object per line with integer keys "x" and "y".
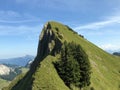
{"x": 24, "y": 70}
{"x": 47, "y": 77}
{"x": 3, "y": 83}
{"x": 105, "y": 67}
{"x": 8, "y": 85}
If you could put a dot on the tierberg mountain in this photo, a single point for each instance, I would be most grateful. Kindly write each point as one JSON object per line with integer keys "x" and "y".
{"x": 43, "y": 74}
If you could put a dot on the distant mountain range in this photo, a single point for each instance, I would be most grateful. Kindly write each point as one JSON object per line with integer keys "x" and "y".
{"x": 20, "y": 61}
{"x": 116, "y": 53}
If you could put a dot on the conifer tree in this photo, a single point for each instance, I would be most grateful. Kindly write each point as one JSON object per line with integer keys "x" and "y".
{"x": 74, "y": 66}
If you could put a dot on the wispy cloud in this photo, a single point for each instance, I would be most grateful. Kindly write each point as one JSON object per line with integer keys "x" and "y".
{"x": 16, "y": 17}
{"x": 97, "y": 25}
{"x": 18, "y": 21}
{"x": 106, "y": 32}
{"x": 19, "y": 30}
{"x": 110, "y": 47}
{"x": 9, "y": 13}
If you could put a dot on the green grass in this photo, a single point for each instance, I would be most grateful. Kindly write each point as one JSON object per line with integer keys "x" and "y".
{"x": 24, "y": 70}
{"x": 105, "y": 67}
{"x": 3, "y": 83}
{"x": 47, "y": 77}
{"x": 16, "y": 80}
{"x": 9, "y": 85}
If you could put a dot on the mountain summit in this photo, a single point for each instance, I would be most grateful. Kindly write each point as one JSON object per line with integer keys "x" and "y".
{"x": 43, "y": 74}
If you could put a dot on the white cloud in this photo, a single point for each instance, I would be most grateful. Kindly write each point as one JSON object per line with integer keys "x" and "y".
{"x": 9, "y": 13}
{"x": 106, "y": 32}
{"x": 16, "y": 17}
{"x": 97, "y": 25}
{"x": 110, "y": 47}
{"x": 19, "y": 30}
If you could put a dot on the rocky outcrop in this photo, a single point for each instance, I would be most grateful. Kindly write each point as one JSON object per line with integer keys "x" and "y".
{"x": 48, "y": 43}
{"x": 4, "y": 70}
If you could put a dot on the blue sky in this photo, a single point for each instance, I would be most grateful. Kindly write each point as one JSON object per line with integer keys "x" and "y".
{"x": 21, "y": 22}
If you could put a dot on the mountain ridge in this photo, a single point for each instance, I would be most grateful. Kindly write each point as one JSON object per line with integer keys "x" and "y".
{"x": 43, "y": 75}
{"x": 21, "y": 61}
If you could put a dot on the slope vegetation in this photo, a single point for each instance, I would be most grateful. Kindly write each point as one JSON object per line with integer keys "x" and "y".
{"x": 3, "y": 83}
{"x": 105, "y": 67}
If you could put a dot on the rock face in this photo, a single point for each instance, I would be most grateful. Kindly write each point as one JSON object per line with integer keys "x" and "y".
{"x": 48, "y": 44}
{"x": 4, "y": 70}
